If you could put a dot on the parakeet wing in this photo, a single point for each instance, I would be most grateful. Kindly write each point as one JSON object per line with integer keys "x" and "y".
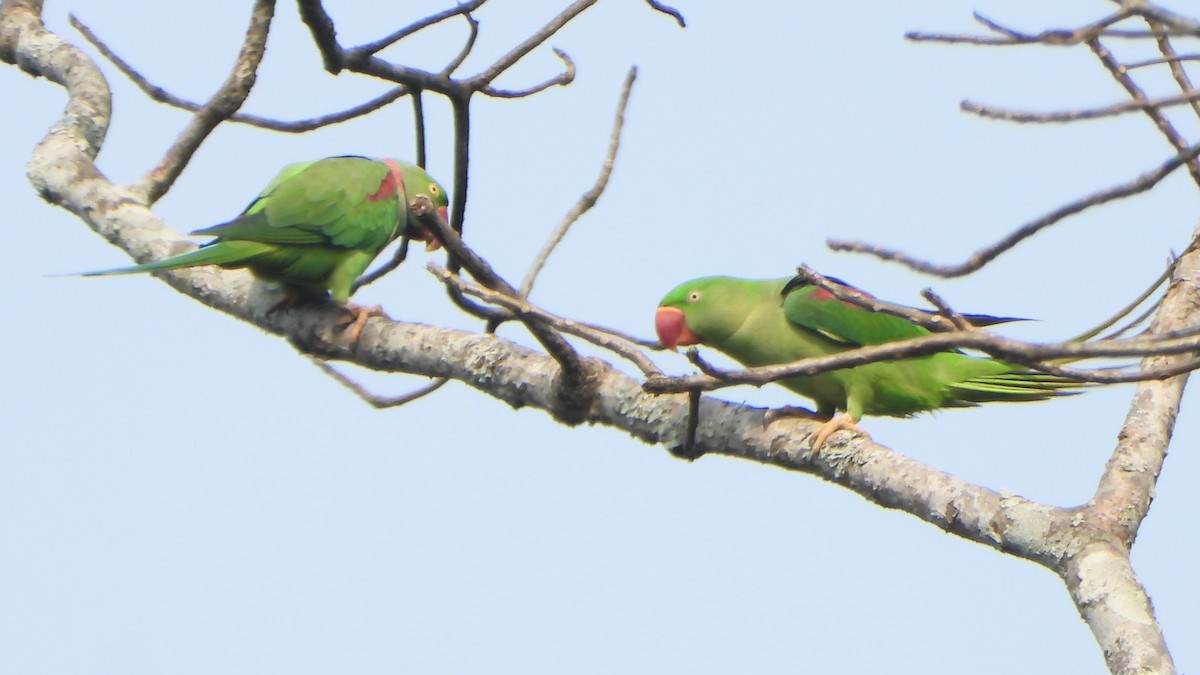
{"x": 350, "y": 202}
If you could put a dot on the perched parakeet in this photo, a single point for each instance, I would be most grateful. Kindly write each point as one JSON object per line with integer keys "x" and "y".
{"x": 776, "y": 321}
{"x": 317, "y": 226}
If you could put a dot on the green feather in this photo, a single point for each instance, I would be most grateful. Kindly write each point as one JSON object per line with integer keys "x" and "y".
{"x": 775, "y": 321}
{"x": 317, "y": 225}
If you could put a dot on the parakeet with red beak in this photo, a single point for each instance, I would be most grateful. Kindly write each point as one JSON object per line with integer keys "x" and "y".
{"x": 317, "y": 226}
{"x": 776, "y": 321}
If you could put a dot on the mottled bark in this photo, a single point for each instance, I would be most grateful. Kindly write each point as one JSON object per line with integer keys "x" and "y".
{"x": 1088, "y": 546}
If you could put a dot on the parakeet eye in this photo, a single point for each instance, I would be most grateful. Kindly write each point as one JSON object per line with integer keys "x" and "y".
{"x": 695, "y": 296}
{"x": 434, "y": 189}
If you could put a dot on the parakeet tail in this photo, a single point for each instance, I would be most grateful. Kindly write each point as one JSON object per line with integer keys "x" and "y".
{"x": 1016, "y": 386}
{"x": 217, "y": 253}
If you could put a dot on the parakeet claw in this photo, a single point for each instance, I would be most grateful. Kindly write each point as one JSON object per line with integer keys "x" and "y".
{"x": 358, "y": 318}
{"x": 836, "y": 423}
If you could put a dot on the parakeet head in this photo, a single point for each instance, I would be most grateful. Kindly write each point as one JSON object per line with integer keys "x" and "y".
{"x": 417, "y": 182}
{"x": 708, "y": 310}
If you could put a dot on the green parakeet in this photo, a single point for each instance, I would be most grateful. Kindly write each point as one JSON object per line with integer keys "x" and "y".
{"x": 776, "y": 321}
{"x": 317, "y": 226}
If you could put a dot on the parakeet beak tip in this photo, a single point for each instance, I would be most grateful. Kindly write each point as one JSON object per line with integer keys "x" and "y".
{"x": 671, "y": 327}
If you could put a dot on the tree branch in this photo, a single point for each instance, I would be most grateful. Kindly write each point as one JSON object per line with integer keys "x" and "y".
{"x": 522, "y": 308}
{"x": 226, "y": 101}
{"x": 161, "y": 95}
{"x": 376, "y": 401}
{"x": 985, "y": 255}
{"x": 589, "y": 198}
{"x": 1138, "y": 95}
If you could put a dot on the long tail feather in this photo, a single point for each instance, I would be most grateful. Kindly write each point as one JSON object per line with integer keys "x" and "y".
{"x": 218, "y": 253}
{"x": 1018, "y": 386}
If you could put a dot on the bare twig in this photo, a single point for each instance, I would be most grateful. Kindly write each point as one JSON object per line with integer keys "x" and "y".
{"x": 575, "y": 385}
{"x": 605, "y": 338}
{"x": 418, "y": 104}
{"x": 1175, "y": 63}
{"x": 402, "y": 250}
{"x": 1177, "y": 23}
{"x": 1036, "y": 356}
{"x": 1136, "y": 93}
{"x": 1010, "y": 36}
{"x": 464, "y": 9}
{"x": 987, "y": 254}
{"x": 946, "y": 311}
{"x": 1124, "y": 312}
{"x": 567, "y": 76}
{"x": 220, "y": 106}
{"x": 161, "y": 95}
{"x": 589, "y": 198}
{"x": 938, "y": 323}
{"x": 1028, "y": 117}
{"x": 375, "y": 399}
{"x": 487, "y": 76}
{"x": 665, "y": 9}
{"x": 320, "y": 24}
{"x": 468, "y": 45}
{"x": 702, "y": 364}
{"x": 628, "y": 337}
{"x": 1158, "y": 62}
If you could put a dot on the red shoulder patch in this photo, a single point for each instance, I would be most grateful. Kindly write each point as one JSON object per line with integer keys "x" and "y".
{"x": 823, "y": 294}
{"x": 392, "y": 183}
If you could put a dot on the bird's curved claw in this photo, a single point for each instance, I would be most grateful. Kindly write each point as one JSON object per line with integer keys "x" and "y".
{"x": 842, "y": 422}
{"x": 358, "y": 318}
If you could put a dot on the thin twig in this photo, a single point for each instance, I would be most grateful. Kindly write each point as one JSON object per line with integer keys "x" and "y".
{"x": 935, "y": 322}
{"x": 1060, "y": 117}
{"x": 665, "y": 9}
{"x": 324, "y": 34}
{"x": 1135, "y": 92}
{"x": 945, "y": 310}
{"x": 402, "y": 250}
{"x": 987, "y": 254}
{"x": 1179, "y": 24}
{"x": 468, "y": 45}
{"x": 1010, "y": 36}
{"x": 702, "y": 364}
{"x": 482, "y": 271}
{"x": 464, "y": 9}
{"x": 375, "y": 399}
{"x": 567, "y": 76}
{"x": 1175, "y": 62}
{"x": 1129, "y": 307}
{"x": 605, "y": 338}
{"x": 378, "y": 273}
{"x": 628, "y": 337}
{"x": 161, "y": 95}
{"x": 224, "y": 103}
{"x": 589, "y": 198}
{"x": 1035, "y": 356}
{"x": 489, "y": 75}
{"x": 1161, "y": 61}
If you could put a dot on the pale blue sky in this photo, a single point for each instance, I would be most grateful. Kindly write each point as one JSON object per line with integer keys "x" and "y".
{"x": 182, "y": 493}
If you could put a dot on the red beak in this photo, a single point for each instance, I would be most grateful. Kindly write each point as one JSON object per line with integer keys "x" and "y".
{"x": 672, "y": 328}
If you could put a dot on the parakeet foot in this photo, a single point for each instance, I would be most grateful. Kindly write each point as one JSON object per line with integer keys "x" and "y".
{"x": 836, "y": 423}
{"x": 358, "y": 318}
{"x": 793, "y": 411}
{"x": 289, "y": 299}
